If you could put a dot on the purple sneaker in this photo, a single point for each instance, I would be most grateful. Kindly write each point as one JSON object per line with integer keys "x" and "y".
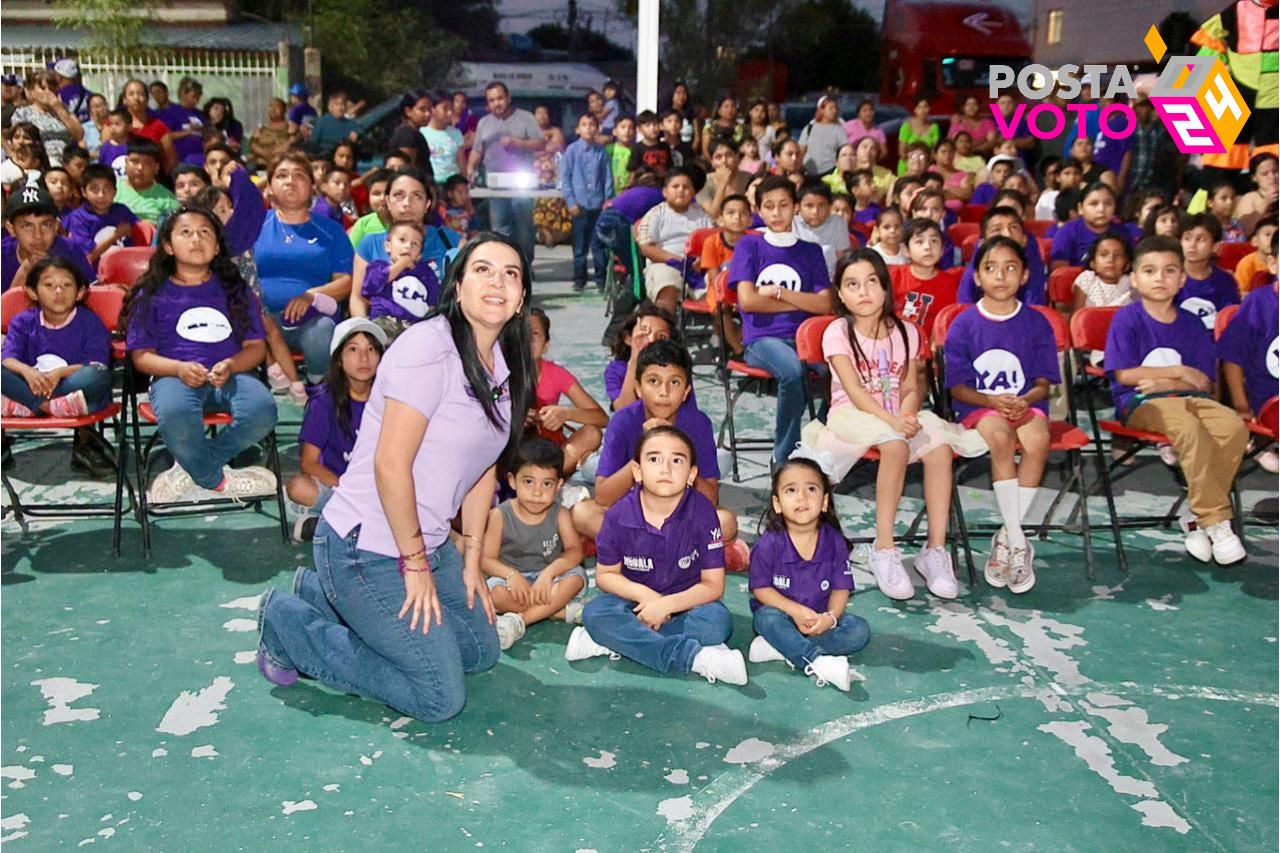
{"x": 280, "y": 676}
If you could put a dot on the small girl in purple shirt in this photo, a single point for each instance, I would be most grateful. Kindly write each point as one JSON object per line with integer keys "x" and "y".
{"x": 1001, "y": 361}
{"x": 332, "y": 420}
{"x": 801, "y": 580}
{"x": 195, "y": 327}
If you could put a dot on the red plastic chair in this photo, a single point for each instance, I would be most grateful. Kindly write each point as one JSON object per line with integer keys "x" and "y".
{"x": 1061, "y": 284}
{"x": 1046, "y": 247}
{"x": 969, "y": 247}
{"x": 124, "y": 266}
{"x": 692, "y": 253}
{"x": 748, "y": 379}
{"x": 1222, "y": 320}
{"x": 962, "y": 231}
{"x": 1064, "y": 437}
{"x": 972, "y": 212}
{"x": 1231, "y": 254}
{"x": 142, "y": 233}
{"x": 106, "y": 303}
{"x": 1038, "y": 227}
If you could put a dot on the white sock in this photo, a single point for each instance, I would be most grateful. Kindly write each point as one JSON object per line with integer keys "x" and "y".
{"x": 1026, "y": 496}
{"x": 1007, "y": 500}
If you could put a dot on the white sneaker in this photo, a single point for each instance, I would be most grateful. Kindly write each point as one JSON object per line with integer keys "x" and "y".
{"x": 581, "y": 647}
{"x": 251, "y": 482}
{"x": 510, "y": 628}
{"x": 762, "y": 651}
{"x": 891, "y": 577}
{"x": 1022, "y": 573}
{"x": 1168, "y": 455}
{"x": 721, "y": 663}
{"x": 170, "y": 486}
{"x": 934, "y": 565}
{"x": 997, "y": 569}
{"x": 573, "y": 613}
{"x": 829, "y": 669}
{"x": 570, "y": 495}
{"x": 860, "y": 556}
{"x": 1198, "y": 545}
{"x": 1269, "y": 461}
{"x": 1227, "y": 547}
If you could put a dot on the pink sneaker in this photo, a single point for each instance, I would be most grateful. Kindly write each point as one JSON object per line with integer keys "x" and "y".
{"x": 13, "y": 409}
{"x": 737, "y": 556}
{"x": 276, "y": 378}
{"x": 71, "y": 405}
{"x": 298, "y": 393}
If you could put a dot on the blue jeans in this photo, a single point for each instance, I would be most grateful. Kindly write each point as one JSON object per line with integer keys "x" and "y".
{"x": 342, "y": 629}
{"x": 672, "y": 648}
{"x": 849, "y": 635}
{"x": 584, "y": 229}
{"x": 179, "y": 417}
{"x": 312, "y": 340}
{"x": 612, "y": 233}
{"x": 514, "y": 217}
{"x": 779, "y": 357}
{"x": 93, "y": 379}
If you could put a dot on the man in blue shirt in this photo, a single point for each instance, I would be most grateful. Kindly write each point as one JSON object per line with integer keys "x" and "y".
{"x": 334, "y": 126}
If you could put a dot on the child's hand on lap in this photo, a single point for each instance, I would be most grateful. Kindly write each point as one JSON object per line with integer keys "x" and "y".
{"x": 520, "y": 589}
{"x": 542, "y": 588}
{"x": 805, "y": 618}
{"x": 192, "y": 374}
{"x": 552, "y": 417}
{"x": 41, "y": 384}
{"x": 653, "y": 613}
{"x": 220, "y": 373}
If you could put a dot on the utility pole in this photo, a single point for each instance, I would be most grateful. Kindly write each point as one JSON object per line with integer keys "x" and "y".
{"x": 573, "y": 27}
{"x": 647, "y": 38}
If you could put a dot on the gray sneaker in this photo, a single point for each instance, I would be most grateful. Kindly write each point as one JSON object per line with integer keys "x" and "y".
{"x": 1022, "y": 573}
{"x": 997, "y": 568}
{"x": 510, "y": 629}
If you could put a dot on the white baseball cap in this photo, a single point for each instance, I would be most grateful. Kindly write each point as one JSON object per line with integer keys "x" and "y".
{"x": 350, "y": 326}
{"x": 66, "y": 68}
{"x": 1000, "y": 158}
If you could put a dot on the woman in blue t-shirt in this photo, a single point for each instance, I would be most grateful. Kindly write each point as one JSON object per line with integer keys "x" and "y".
{"x": 409, "y": 198}
{"x": 304, "y": 264}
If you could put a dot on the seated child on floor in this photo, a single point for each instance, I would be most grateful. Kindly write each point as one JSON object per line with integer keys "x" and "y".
{"x": 550, "y": 419}
{"x": 55, "y": 358}
{"x": 398, "y": 292}
{"x": 664, "y": 372}
{"x": 646, "y": 324}
{"x": 195, "y": 327}
{"x": 532, "y": 554}
{"x": 1162, "y": 367}
{"x": 332, "y": 419}
{"x": 1001, "y": 361}
{"x": 660, "y": 571}
{"x": 801, "y": 580}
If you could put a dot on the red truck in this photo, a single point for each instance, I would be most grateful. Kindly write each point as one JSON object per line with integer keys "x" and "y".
{"x": 944, "y": 50}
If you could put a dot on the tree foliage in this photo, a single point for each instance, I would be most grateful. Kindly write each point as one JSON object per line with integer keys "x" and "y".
{"x": 112, "y": 26}
{"x": 825, "y": 43}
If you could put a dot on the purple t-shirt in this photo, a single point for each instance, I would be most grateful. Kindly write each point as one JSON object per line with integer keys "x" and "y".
{"x": 414, "y": 292}
{"x": 298, "y": 113}
{"x": 113, "y": 154}
{"x": 983, "y": 193}
{"x": 1108, "y": 152}
{"x": 247, "y": 213}
{"x": 667, "y": 560}
{"x": 1136, "y": 339}
{"x": 1205, "y": 297}
{"x": 1252, "y": 340}
{"x": 799, "y": 267}
{"x": 867, "y": 215}
{"x": 176, "y": 117}
{"x": 636, "y": 202}
{"x": 615, "y": 376}
{"x": 61, "y": 247}
{"x": 627, "y": 425}
{"x": 85, "y": 228}
{"x": 192, "y": 323}
{"x": 776, "y": 564}
{"x": 1000, "y": 356}
{"x": 323, "y": 207}
{"x": 1072, "y": 240}
{"x": 424, "y": 371}
{"x": 320, "y": 428}
{"x": 1034, "y": 292}
{"x": 81, "y": 340}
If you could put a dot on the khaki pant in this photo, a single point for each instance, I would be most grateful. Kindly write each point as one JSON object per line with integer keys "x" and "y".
{"x": 1210, "y": 439}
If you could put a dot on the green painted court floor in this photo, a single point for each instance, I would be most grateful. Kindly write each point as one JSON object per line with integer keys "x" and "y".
{"x": 1134, "y": 712}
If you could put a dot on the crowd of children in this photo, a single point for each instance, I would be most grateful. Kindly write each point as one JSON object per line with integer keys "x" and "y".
{"x": 787, "y": 230}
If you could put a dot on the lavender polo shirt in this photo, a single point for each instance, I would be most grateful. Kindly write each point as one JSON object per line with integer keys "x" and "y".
{"x": 667, "y": 560}
{"x": 776, "y": 564}
{"x": 422, "y": 370}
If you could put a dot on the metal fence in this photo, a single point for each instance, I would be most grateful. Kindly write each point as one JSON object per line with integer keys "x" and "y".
{"x": 249, "y": 79}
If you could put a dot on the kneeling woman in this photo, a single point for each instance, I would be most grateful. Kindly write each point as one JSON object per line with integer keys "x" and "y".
{"x": 437, "y": 421}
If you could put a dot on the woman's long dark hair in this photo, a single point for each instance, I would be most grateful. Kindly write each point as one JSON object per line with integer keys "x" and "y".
{"x": 773, "y": 520}
{"x": 887, "y": 315}
{"x": 513, "y": 340}
{"x": 335, "y": 379}
{"x": 163, "y": 266}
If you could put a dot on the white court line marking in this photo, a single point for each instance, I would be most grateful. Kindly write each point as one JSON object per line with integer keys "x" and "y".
{"x": 735, "y": 783}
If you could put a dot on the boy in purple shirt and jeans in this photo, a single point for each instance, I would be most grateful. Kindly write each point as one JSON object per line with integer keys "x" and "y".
{"x": 1162, "y": 366}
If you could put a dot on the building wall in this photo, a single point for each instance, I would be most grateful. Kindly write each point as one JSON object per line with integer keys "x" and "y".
{"x": 1107, "y": 31}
